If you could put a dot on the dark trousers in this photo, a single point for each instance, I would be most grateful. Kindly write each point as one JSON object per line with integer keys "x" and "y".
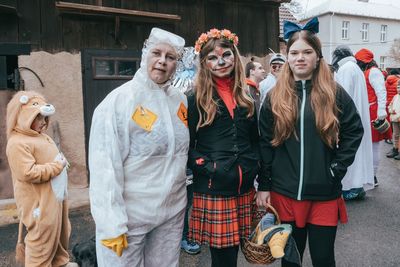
{"x": 321, "y": 241}
{"x": 189, "y": 190}
{"x": 224, "y": 257}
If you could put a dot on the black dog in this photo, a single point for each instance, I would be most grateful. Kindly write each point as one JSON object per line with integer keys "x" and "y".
{"x": 85, "y": 253}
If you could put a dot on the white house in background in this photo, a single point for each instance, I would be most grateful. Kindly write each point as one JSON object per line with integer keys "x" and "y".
{"x": 284, "y": 14}
{"x": 358, "y": 24}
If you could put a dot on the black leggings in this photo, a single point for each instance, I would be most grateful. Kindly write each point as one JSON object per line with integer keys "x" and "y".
{"x": 321, "y": 240}
{"x": 224, "y": 257}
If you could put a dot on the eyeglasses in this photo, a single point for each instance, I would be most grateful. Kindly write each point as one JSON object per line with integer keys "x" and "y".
{"x": 278, "y": 66}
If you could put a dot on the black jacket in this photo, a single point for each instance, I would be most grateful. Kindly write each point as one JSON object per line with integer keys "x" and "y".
{"x": 305, "y": 168}
{"x": 224, "y": 145}
{"x": 255, "y": 94}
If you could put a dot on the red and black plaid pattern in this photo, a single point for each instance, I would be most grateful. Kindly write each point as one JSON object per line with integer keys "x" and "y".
{"x": 220, "y": 221}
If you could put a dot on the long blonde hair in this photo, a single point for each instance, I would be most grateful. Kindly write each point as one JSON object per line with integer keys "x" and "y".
{"x": 204, "y": 84}
{"x": 284, "y": 100}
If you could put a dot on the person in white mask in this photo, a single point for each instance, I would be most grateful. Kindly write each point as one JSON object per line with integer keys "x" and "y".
{"x": 137, "y": 159}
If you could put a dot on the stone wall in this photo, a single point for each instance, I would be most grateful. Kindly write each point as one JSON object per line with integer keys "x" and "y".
{"x": 6, "y": 190}
{"x": 62, "y": 78}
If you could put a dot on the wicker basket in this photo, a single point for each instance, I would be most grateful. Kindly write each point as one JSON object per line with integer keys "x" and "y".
{"x": 254, "y": 253}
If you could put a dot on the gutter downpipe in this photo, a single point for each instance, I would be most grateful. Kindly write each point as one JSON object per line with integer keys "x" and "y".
{"x": 331, "y": 37}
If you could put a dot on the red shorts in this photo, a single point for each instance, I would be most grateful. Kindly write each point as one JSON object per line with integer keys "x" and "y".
{"x": 323, "y": 213}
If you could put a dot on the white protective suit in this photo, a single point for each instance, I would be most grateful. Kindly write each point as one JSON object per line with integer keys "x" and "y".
{"x": 138, "y": 177}
{"x": 351, "y": 78}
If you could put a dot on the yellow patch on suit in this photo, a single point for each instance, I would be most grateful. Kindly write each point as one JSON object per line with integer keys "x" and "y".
{"x": 144, "y": 117}
{"x": 182, "y": 114}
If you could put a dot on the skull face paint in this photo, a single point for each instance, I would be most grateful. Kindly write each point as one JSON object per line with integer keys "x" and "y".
{"x": 221, "y": 62}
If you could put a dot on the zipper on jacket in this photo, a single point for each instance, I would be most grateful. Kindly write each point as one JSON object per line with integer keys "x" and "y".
{"x": 212, "y": 175}
{"x": 303, "y": 104}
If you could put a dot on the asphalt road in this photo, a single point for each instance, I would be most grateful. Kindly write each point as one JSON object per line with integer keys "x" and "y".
{"x": 370, "y": 239}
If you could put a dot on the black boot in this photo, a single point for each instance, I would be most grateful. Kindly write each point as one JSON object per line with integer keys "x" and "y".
{"x": 392, "y": 153}
{"x": 376, "y": 183}
{"x": 397, "y": 157}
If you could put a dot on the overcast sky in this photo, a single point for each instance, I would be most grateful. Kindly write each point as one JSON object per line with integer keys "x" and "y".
{"x": 312, "y": 3}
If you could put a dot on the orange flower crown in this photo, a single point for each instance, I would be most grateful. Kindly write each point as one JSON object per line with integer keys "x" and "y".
{"x": 215, "y": 34}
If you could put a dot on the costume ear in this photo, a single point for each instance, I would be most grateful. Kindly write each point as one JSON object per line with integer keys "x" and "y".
{"x": 24, "y": 99}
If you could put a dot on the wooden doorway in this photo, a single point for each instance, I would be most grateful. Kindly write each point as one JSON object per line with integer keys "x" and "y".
{"x": 103, "y": 71}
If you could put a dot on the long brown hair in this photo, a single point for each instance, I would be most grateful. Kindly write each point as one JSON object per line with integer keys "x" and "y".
{"x": 284, "y": 100}
{"x": 204, "y": 84}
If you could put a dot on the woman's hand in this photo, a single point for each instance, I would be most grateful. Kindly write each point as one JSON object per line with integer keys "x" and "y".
{"x": 262, "y": 198}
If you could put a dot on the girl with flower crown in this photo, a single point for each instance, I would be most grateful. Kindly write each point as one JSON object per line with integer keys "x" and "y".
{"x": 223, "y": 151}
{"x": 310, "y": 132}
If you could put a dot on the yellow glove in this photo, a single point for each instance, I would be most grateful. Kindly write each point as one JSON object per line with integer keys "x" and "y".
{"x": 116, "y": 244}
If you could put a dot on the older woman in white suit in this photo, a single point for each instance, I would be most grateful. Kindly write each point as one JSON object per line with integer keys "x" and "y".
{"x": 137, "y": 158}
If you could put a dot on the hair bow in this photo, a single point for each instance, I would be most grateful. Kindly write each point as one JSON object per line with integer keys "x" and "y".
{"x": 289, "y": 28}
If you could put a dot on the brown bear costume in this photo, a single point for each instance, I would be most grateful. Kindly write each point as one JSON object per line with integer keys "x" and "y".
{"x": 31, "y": 156}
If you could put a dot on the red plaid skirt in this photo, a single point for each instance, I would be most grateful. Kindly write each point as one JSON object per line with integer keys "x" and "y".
{"x": 220, "y": 221}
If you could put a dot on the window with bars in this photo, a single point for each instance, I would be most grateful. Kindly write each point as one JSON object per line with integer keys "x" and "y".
{"x": 364, "y": 32}
{"x": 383, "y": 33}
{"x": 382, "y": 60}
{"x": 8, "y": 72}
{"x": 345, "y": 29}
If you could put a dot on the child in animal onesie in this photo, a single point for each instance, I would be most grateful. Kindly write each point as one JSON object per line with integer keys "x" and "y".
{"x": 39, "y": 180}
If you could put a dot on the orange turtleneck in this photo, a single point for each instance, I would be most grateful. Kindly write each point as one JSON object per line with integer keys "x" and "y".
{"x": 224, "y": 88}
{"x": 250, "y": 82}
